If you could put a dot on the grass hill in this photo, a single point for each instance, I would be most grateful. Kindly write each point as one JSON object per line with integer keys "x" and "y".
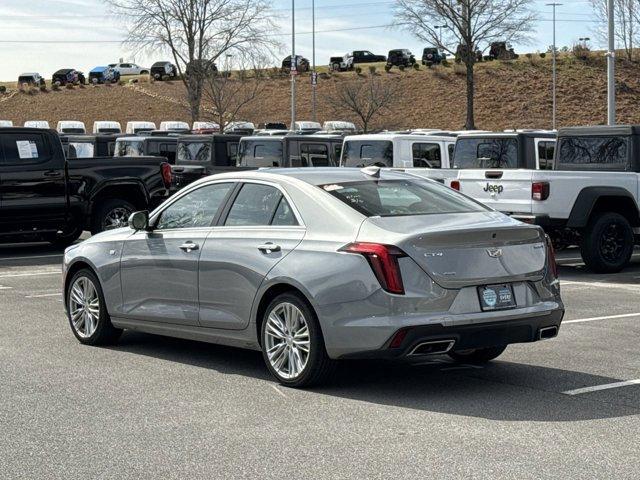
{"x": 515, "y": 94}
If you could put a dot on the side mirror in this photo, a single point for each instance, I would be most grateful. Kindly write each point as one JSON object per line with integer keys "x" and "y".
{"x": 139, "y": 220}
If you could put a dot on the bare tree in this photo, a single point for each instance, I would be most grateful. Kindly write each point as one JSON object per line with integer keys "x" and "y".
{"x": 225, "y": 97}
{"x": 469, "y": 24}
{"x": 198, "y": 32}
{"x": 365, "y": 98}
{"x": 626, "y": 14}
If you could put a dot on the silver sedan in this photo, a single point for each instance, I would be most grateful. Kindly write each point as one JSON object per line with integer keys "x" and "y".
{"x": 315, "y": 265}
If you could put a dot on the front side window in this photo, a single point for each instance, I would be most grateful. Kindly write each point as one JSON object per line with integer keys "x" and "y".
{"x": 426, "y": 155}
{"x": 195, "y": 209}
{"x": 25, "y": 148}
{"x": 389, "y": 198}
{"x": 363, "y": 153}
{"x": 486, "y": 153}
{"x": 259, "y": 205}
{"x": 592, "y": 151}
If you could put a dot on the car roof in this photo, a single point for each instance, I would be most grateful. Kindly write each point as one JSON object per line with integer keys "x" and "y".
{"x": 28, "y": 74}
{"x": 600, "y": 130}
{"x": 99, "y": 69}
{"x": 397, "y": 136}
{"x": 536, "y": 134}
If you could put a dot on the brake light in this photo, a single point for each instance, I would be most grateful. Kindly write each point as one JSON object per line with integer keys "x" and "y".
{"x": 551, "y": 257}
{"x": 540, "y": 190}
{"x": 455, "y": 184}
{"x": 165, "y": 171}
{"x": 384, "y": 263}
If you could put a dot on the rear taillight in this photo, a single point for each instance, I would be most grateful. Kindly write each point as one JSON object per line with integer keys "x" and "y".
{"x": 540, "y": 190}
{"x": 384, "y": 263}
{"x": 165, "y": 170}
{"x": 551, "y": 257}
{"x": 455, "y": 184}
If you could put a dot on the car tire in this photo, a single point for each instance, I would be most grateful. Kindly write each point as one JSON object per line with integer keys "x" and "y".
{"x": 607, "y": 243}
{"x": 144, "y": 72}
{"x": 111, "y": 213}
{"x": 478, "y": 355}
{"x": 284, "y": 321}
{"x": 87, "y": 311}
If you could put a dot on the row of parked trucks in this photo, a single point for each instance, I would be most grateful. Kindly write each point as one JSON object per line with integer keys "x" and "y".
{"x": 580, "y": 184}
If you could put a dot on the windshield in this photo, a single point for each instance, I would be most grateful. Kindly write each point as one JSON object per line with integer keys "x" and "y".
{"x": 194, "y": 152}
{"x": 486, "y": 153}
{"x": 389, "y": 198}
{"x": 129, "y": 148}
{"x": 364, "y": 153}
{"x": 260, "y": 154}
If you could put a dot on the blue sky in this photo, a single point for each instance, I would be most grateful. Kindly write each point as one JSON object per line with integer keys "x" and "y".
{"x": 95, "y": 35}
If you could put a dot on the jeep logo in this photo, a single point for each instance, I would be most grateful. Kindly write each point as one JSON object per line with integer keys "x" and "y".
{"x": 493, "y": 188}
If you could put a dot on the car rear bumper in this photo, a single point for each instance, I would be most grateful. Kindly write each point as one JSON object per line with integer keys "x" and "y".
{"x": 541, "y": 220}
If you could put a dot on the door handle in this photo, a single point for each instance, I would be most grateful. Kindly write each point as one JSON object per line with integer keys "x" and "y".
{"x": 269, "y": 247}
{"x": 52, "y": 173}
{"x": 189, "y": 247}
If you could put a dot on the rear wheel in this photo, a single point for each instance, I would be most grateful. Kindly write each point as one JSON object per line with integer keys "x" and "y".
{"x": 478, "y": 355}
{"x": 292, "y": 343}
{"x": 110, "y": 214}
{"x": 607, "y": 243}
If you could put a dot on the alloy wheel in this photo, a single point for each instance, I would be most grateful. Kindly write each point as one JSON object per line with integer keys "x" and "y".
{"x": 116, "y": 218}
{"x": 287, "y": 340}
{"x": 84, "y": 307}
{"x": 612, "y": 242}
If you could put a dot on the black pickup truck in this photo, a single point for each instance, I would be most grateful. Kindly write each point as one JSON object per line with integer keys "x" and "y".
{"x": 44, "y": 197}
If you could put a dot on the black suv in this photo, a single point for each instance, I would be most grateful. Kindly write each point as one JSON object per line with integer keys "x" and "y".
{"x": 163, "y": 70}
{"x": 302, "y": 64}
{"x": 400, "y": 57}
{"x": 365, "y": 56}
{"x": 432, "y": 56}
{"x": 68, "y": 75}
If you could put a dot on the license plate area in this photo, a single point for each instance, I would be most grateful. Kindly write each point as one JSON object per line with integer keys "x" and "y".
{"x": 496, "y": 297}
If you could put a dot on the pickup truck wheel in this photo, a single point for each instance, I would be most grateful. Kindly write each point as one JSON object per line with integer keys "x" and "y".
{"x": 110, "y": 214}
{"x": 607, "y": 243}
{"x": 478, "y": 355}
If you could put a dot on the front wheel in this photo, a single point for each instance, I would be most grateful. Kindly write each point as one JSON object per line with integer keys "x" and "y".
{"x": 292, "y": 343}
{"x": 607, "y": 243}
{"x": 110, "y": 214}
{"x": 478, "y": 355}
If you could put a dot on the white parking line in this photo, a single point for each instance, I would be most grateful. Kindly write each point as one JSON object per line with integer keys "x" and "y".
{"x": 29, "y": 274}
{"x": 606, "y": 386}
{"x": 2, "y": 287}
{"x": 607, "y": 317}
{"x": 587, "y": 284}
{"x": 275, "y": 387}
{"x": 41, "y": 295}
{"x": 32, "y": 256}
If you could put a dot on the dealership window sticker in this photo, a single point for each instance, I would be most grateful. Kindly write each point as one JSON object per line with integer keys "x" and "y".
{"x": 27, "y": 149}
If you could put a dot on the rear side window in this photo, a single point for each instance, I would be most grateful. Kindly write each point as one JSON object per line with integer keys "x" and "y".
{"x": 128, "y": 149}
{"x": 81, "y": 149}
{"x": 545, "y": 155}
{"x": 389, "y": 198}
{"x": 426, "y": 155}
{"x": 486, "y": 153}
{"x": 168, "y": 150}
{"x": 259, "y": 205}
{"x": 194, "y": 152}
{"x": 585, "y": 152}
{"x": 315, "y": 155}
{"x": 364, "y": 153}
{"x": 25, "y": 148}
{"x": 261, "y": 153}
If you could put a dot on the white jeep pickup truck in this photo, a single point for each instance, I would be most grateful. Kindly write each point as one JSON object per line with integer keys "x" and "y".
{"x": 590, "y": 198}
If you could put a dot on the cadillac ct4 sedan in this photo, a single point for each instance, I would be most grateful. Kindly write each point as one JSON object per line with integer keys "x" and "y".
{"x": 315, "y": 265}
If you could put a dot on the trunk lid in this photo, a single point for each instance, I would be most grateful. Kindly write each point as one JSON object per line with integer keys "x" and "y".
{"x": 464, "y": 249}
{"x": 508, "y": 191}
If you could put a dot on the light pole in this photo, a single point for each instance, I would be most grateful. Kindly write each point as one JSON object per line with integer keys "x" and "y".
{"x": 294, "y": 63}
{"x": 553, "y": 56}
{"x": 611, "y": 57}
{"x": 313, "y": 61}
{"x": 226, "y": 63}
{"x": 440, "y": 27}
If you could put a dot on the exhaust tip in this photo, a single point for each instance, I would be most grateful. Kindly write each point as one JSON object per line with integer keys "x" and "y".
{"x": 434, "y": 347}
{"x": 547, "y": 333}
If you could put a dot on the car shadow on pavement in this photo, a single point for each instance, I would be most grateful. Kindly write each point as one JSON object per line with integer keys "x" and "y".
{"x": 505, "y": 391}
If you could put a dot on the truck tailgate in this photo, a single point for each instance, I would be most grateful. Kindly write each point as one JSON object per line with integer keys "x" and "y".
{"x": 508, "y": 191}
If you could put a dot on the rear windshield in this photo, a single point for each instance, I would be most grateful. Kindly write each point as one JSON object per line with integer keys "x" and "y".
{"x": 364, "y": 153}
{"x": 486, "y": 153}
{"x": 260, "y": 153}
{"x": 591, "y": 152}
{"x": 391, "y": 198}
{"x": 199, "y": 152}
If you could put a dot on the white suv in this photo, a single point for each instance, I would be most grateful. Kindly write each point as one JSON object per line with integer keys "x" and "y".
{"x": 129, "y": 69}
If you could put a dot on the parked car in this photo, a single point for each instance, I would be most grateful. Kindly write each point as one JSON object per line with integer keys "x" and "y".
{"x": 104, "y": 75}
{"x": 501, "y": 51}
{"x": 272, "y": 126}
{"x": 147, "y": 146}
{"x": 589, "y": 199}
{"x": 31, "y": 79}
{"x": 302, "y": 64}
{"x": 240, "y": 128}
{"x": 432, "y": 56}
{"x": 89, "y": 146}
{"x": 338, "y": 64}
{"x": 104, "y": 126}
{"x": 36, "y": 124}
{"x": 174, "y": 126}
{"x": 203, "y": 67}
{"x": 400, "y": 57}
{"x": 71, "y": 126}
{"x": 339, "y": 126}
{"x": 461, "y": 52}
{"x": 6, "y": 123}
{"x": 68, "y": 75}
{"x": 364, "y": 56}
{"x": 316, "y": 266}
{"x": 205, "y": 127}
{"x": 136, "y": 127}
{"x": 129, "y": 69}
{"x": 44, "y": 197}
{"x": 164, "y": 71}
{"x": 307, "y": 127}
{"x": 198, "y": 156}
{"x": 261, "y": 151}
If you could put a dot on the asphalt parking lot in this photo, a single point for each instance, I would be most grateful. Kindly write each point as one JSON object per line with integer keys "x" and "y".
{"x": 154, "y": 407}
